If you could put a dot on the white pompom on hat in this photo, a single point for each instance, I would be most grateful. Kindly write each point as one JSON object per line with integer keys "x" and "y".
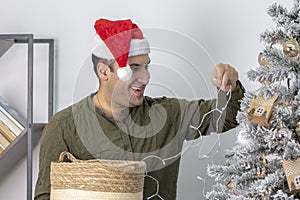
{"x": 119, "y": 40}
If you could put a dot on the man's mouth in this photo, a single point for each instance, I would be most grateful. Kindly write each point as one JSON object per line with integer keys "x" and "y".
{"x": 138, "y": 89}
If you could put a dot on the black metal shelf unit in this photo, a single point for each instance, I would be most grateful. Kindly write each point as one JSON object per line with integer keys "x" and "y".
{"x": 18, "y": 148}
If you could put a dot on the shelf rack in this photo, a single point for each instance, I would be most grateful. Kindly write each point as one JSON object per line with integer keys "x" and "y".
{"x": 18, "y": 148}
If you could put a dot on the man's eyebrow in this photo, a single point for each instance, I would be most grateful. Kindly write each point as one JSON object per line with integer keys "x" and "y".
{"x": 135, "y": 64}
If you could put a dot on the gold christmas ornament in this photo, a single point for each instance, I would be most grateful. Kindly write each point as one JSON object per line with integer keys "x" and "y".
{"x": 297, "y": 129}
{"x": 264, "y": 63}
{"x": 230, "y": 184}
{"x": 264, "y": 160}
{"x": 261, "y": 61}
{"x": 291, "y": 48}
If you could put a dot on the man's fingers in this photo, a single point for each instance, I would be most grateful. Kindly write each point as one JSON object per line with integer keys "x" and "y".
{"x": 225, "y": 80}
{"x": 224, "y": 76}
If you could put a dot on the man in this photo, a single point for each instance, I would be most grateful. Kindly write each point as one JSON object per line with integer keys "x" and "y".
{"x": 119, "y": 122}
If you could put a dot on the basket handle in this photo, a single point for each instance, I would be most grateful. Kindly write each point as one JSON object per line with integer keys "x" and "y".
{"x": 67, "y": 155}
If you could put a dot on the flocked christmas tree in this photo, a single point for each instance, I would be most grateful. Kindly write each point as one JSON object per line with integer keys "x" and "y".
{"x": 265, "y": 163}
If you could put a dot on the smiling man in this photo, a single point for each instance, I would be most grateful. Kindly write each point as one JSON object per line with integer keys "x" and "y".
{"x": 114, "y": 95}
{"x": 119, "y": 122}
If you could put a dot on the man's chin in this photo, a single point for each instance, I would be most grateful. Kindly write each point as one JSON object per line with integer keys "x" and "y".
{"x": 136, "y": 102}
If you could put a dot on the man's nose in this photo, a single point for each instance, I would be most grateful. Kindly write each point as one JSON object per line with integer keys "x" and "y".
{"x": 144, "y": 76}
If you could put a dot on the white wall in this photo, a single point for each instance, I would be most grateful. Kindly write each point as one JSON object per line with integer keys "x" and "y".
{"x": 203, "y": 32}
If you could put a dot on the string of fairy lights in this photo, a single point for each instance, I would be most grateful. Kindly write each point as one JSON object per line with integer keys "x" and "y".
{"x": 208, "y": 155}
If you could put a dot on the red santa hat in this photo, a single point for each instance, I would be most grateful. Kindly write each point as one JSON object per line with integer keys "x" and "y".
{"x": 119, "y": 40}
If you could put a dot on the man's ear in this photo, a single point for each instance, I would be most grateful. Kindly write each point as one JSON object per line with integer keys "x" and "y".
{"x": 102, "y": 70}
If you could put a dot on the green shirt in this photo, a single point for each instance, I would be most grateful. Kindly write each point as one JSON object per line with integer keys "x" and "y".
{"x": 154, "y": 131}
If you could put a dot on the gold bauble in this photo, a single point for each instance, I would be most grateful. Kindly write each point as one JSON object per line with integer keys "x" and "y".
{"x": 261, "y": 61}
{"x": 230, "y": 184}
{"x": 297, "y": 129}
{"x": 291, "y": 48}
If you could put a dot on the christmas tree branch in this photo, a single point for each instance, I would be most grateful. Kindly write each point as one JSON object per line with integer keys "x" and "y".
{"x": 289, "y": 21}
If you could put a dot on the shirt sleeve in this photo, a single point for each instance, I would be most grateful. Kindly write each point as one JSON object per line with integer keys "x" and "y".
{"x": 216, "y": 115}
{"x": 52, "y": 144}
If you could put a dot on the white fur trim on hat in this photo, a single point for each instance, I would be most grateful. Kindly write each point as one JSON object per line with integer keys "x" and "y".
{"x": 139, "y": 47}
{"x": 100, "y": 49}
{"x": 124, "y": 73}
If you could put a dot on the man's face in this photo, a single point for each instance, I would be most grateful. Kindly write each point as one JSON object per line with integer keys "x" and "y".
{"x": 130, "y": 93}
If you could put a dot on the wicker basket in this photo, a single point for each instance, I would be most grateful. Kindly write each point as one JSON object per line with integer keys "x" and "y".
{"x": 96, "y": 179}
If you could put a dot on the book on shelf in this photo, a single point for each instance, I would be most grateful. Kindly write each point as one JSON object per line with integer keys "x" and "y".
{"x": 3, "y": 141}
{"x": 4, "y": 130}
{"x": 11, "y": 125}
{"x": 1, "y": 149}
{"x": 11, "y": 118}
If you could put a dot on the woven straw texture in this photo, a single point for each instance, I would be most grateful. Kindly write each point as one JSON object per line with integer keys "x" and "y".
{"x": 96, "y": 179}
{"x": 70, "y": 194}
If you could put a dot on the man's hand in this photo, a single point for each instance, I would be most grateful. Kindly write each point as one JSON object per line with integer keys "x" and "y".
{"x": 224, "y": 76}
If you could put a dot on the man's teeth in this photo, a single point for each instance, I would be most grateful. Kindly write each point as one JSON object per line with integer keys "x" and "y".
{"x": 136, "y": 88}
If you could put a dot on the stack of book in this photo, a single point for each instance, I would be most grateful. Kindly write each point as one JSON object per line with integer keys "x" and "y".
{"x": 11, "y": 124}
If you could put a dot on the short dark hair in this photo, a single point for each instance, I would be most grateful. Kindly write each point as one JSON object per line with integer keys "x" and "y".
{"x": 96, "y": 60}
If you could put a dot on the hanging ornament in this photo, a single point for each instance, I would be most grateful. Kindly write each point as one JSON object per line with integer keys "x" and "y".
{"x": 292, "y": 173}
{"x": 229, "y": 185}
{"x": 262, "y": 62}
{"x": 291, "y": 48}
{"x": 297, "y": 129}
{"x": 260, "y": 111}
{"x": 284, "y": 132}
{"x": 264, "y": 160}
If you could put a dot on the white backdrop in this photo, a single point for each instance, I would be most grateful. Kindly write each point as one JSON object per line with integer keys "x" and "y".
{"x": 188, "y": 38}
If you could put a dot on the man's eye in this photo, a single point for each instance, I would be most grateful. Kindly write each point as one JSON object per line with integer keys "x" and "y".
{"x": 139, "y": 67}
{"x": 135, "y": 68}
